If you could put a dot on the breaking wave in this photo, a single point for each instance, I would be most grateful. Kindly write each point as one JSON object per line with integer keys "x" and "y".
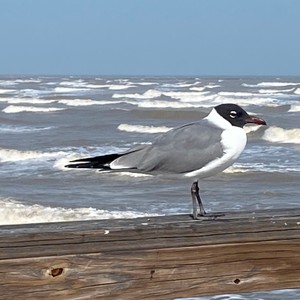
{"x": 273, "y": 91}
{"x": 261, "y": 101}
{"x": 69, "y": 90}
{"x": 15, "y": 212}
{"x": 268, "y": 94}
{"x": 235, "y": 169}
{"x": 149, "y": 94}
{"x": 260, "y": 167}
{"x": 11, "y": 109}
{"x": 81, "y": 85}
{"x": 294, "y": 108}
{"x": 13, "y": 155}
{"x": 162, "y": 129}
{"x": 87, "y": 102}
{"x": 279, "y": 135}
{"x": 26, "y": 100}
{"x": 165, "y": 104}
{"x": 6, "y": 91}
{"x": 271, "y": 84}
{"x": 143, "y": 128}
{"x": 21, "y": 129}
{"x": 202, "y": 99}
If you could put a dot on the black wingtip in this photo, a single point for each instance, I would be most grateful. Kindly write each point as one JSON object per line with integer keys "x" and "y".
{"x": 97, "y": 162}
{"x": 78, "y": 165}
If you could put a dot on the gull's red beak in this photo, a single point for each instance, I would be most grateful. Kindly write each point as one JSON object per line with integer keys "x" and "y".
{"x": 255, "y": 120}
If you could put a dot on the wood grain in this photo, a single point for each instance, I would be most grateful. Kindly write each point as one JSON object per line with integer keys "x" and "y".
{"x": 151, "y": 258}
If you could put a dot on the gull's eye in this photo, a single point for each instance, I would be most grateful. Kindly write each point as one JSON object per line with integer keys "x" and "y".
{"x": 233, "y": 114}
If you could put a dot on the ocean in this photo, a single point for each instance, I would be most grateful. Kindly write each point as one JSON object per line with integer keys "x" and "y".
{"x": 46, "y": 121}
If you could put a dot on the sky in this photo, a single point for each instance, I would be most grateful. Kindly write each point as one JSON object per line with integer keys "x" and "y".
{"x": 150, "y": 37}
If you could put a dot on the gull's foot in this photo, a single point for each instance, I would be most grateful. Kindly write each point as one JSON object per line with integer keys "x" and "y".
{"x": 207, "y": 216}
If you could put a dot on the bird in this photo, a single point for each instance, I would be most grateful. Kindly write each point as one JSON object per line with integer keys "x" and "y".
{"x": 195, "y": 150}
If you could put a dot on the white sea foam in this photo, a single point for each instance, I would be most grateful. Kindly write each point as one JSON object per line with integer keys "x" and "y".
{"x": 205, "y": 99}
{"x": 13, "y": 155}
{"x": 33, "y": 93}
{"x": 21, "y": 129}
{"x": 184, "y": 84}
{"x": 108, "y": 86}
{"x": 188, "y": 96}
{"x": 119, "y": 87}
{"x": 162, "y": 129}
{"x": 17, "y": 109}
{"x": 17, "y": 81}
{"x": 164, "y": 104}
{"x": 202, "y": 88}
{"x": 15, "y": 212}
{"x": 287, "y": 294}
{"x": 143, "y": 128}
{"x": 297, "y": 91}
{"x": 7, "y": 82}
{"x": 251, "y": 128}
{"x": 279, "y": 135}
{"x": 202, "y": 99}
{"x": 61, "y": 162}
{"x": 87, "y": 102}
{"x": 73, "y": 83}
{"x": 79, "y": 102}
{"x": 6, "y": 91}
{"x": 260, "y": 167}
{"x": 91, "y": 86}
{"x": 212, "y": 86}
{"x": 262, "y": 101}
{"x": 147, "y": 95}
{"x": 273, "y": 91}
{"x": 237, "y": 94}
{"x": 278, "y": 83}
{"x": 267, "y": 99}
{"x": 66, "y": 90}
{"x": 64, "y": 155}
{"x": 145, "y": 83}
{"x": 81, "y": 85}
{"x": 271, "y": 84}
{"x": 294, "y": 108}
{"x": 234, "y": 169}
{"x": 26, "y": 100}
{"x": 28, "y": 80}
{"x": 267, "y": 93}
{"x": 198, "y": 88}
{"x": 259, "y": 95}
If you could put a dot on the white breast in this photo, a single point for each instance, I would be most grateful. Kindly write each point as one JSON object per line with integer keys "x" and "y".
{"x": 233, "y": 142}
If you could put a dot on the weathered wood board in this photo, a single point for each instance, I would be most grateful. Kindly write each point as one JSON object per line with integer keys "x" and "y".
{"x": 151, "y": 258}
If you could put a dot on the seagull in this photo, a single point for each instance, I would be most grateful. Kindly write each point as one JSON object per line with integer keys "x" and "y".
{"x": 195, "y": 150}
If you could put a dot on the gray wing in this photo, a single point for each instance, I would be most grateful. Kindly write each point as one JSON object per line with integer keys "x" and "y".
{"x": 180, "y": 150}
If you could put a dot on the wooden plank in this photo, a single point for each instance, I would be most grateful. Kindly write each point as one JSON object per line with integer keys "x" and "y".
{"x": 151, "y": 258}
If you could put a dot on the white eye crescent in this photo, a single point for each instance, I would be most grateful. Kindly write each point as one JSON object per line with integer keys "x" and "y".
{"x": 233, "y": 114}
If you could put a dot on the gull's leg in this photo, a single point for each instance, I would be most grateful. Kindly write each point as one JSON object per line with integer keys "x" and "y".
{"x": 196, "y": 198}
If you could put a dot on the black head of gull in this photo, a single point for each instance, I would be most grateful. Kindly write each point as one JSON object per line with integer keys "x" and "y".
{"x": 196, "y": 150}
{"x": 236, "y": 116}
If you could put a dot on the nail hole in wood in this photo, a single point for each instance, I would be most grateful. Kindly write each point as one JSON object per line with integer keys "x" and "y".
{"x": 151, "y": 274}
{"x": 56, "y": 272}
{"x": 237, "y": 281}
